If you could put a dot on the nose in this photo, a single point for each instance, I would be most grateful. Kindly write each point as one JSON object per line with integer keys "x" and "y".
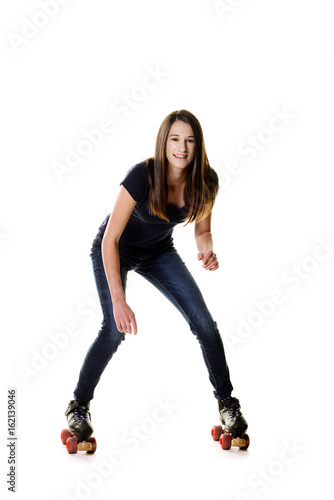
{"x": 183, "y": 145}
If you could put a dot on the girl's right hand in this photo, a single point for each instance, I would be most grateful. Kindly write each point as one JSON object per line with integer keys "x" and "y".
{"x": 124, "y": 317}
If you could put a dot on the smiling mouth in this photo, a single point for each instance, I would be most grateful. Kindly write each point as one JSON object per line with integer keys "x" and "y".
{"x": 183, "y": 157}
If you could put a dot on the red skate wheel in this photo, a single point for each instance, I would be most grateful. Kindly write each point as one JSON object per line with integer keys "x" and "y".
{"x": 246, "y": 438}
{"x": 225, "y": 441}
{"x": 216, "y": 431}
{"x": 72, "y": 444}
{"x": 65, "y": 433}
{"x": 93, "y": 443}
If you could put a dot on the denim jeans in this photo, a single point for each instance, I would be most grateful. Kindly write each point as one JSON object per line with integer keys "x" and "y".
{"x": 169, "y": 274}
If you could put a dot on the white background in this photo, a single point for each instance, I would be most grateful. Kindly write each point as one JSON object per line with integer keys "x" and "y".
{"x": 235, "y": 71}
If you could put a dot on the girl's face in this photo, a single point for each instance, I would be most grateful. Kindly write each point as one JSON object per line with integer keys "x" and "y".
{"x": 180, "y": 145}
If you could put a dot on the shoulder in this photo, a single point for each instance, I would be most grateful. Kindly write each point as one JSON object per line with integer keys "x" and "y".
{"x": 136, "y": 181}
{"x": 139, "y": 169}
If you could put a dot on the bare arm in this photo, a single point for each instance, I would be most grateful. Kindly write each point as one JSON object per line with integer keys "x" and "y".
{"x": 124, "y": 316}
{"x": 204, "y": 244}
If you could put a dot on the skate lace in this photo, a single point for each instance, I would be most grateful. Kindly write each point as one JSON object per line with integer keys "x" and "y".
{"x": 234, "y": 409}
{"x": 80, "y": 413}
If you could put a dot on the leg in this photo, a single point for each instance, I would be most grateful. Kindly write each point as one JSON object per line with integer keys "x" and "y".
{"x": 169, "y": 274}
{"x": 108, "y": 338}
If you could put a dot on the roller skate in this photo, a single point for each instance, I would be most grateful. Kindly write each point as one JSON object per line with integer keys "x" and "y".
{"x": 78, "y": 435}
{"x": 233, "y": 432}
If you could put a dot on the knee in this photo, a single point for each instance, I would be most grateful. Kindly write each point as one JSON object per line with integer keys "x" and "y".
{"x": 108, "y": 329}
{"x": 207, "y": 333}
{"x": 204, "y": 325}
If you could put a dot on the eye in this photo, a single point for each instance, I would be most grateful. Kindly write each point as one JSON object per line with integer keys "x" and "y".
{"x": 191, "y": 140}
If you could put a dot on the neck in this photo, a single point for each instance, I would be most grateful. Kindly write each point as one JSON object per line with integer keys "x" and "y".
{"x": 176, "y": 176}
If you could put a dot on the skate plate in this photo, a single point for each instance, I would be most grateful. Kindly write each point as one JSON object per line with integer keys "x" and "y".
{"x": 72, "y": 444}
{"x": 226, "y": 439}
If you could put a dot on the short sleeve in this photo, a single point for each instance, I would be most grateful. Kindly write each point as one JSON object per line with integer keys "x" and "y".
{"x": 136, "y": 181}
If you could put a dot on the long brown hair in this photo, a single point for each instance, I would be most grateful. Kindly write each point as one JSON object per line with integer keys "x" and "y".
{"x": 202, "y": 182}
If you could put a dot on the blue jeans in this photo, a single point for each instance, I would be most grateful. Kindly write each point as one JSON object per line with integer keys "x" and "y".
{"x": 169, "y": 274}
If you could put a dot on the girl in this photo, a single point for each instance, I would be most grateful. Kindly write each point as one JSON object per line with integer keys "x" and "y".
{"x": 176, "y": 185}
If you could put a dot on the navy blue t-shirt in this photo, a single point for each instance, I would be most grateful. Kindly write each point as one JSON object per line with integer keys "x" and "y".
{"x": 145, "y": 234}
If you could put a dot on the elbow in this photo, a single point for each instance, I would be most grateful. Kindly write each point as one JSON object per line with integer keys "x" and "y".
{"x": 110, "y": 241}
{"x": 198, "y": 235}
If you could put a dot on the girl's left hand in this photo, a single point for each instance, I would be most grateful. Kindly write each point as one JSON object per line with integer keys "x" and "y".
{"x": 209, "y": 260}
